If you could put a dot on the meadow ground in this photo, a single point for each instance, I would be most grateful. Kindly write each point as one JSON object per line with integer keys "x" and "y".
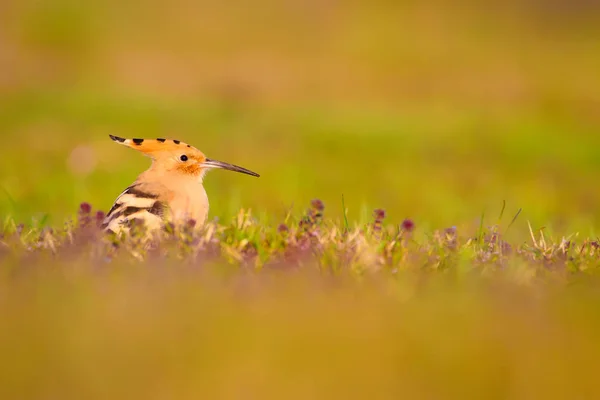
{"x": 444, "y": 115}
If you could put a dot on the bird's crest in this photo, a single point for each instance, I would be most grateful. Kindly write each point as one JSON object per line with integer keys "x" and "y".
{"x": 175, "y": 156}
{"x": 152, "y": 147}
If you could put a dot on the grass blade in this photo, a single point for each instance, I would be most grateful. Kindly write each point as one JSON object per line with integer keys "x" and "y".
{"x": 346, "y": 226}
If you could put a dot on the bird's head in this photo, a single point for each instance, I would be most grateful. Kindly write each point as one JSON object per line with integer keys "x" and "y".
{"x": 175, "y": 157}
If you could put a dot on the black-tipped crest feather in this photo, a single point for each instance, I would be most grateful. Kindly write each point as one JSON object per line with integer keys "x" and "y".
{"x": 117, "y": 139}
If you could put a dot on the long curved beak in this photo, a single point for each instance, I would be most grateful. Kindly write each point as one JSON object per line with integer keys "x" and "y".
{"x": 223, "y": 165}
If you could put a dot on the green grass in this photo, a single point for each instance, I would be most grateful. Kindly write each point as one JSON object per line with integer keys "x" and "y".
{"x": 438, "y": 170}
{"x": 305, "y": 309}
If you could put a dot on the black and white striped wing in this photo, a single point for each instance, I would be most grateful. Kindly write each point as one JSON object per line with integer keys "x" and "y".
{"x": 139, "y": 202}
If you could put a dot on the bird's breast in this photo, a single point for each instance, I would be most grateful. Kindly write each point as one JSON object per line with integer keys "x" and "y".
{"x": 190, "y": 202}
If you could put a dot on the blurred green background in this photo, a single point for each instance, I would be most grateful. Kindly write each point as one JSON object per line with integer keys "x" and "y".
{"x": 436, "y": 110}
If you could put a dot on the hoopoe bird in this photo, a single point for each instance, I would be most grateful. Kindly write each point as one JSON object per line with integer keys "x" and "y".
{"x": 170, "y": 190}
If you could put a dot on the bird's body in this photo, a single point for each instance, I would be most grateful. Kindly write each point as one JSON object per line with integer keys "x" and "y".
{"x": 170, "y": 190}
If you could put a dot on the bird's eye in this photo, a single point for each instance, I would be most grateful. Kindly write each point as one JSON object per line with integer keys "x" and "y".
{"x": 183, "y": 158}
